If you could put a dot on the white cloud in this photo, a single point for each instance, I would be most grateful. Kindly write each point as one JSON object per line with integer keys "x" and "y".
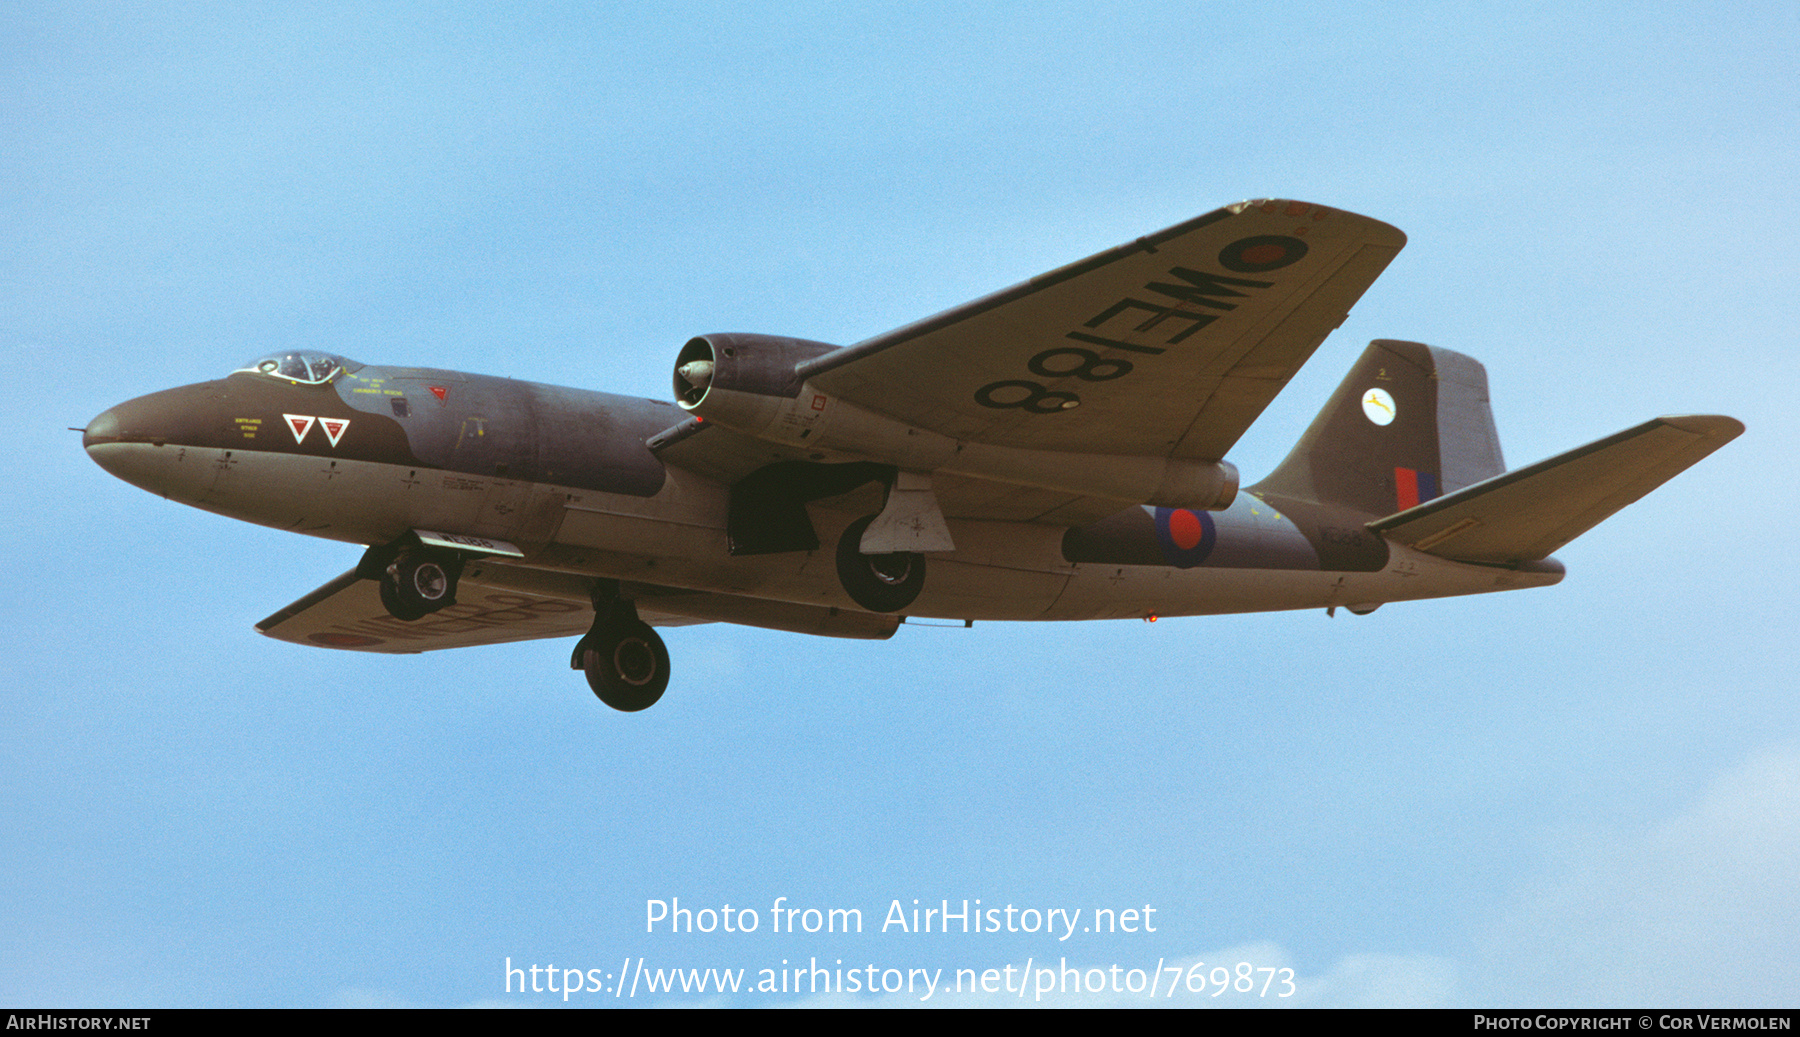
{"x": 1702, "y": 909}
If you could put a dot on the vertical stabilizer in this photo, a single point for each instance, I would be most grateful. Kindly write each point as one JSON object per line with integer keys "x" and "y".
{"x": 1409, "y": 424}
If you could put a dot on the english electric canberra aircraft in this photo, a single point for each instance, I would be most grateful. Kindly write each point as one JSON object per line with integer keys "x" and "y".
{"x": 1053, "y": 451}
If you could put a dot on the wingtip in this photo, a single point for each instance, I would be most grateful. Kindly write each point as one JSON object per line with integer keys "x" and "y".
{"x": 1712, "y": 426}
{"x": 1379, "y": 232}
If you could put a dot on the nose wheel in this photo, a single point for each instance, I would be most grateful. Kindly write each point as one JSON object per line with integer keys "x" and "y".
{"x": 625, "y": 661}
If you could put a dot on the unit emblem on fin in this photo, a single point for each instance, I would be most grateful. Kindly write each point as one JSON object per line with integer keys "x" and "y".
{"x": 1378, "y": 406}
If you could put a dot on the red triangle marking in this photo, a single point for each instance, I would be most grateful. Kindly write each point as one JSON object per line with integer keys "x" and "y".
{"x": 300, "y": 425}
{"x": 439, "y": 391}
{"x": 334, "y": 428}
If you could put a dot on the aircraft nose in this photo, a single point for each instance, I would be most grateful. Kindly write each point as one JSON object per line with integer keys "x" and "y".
{"x": 188, "y": 416}
{"x": 108, "y": 444}
{"x": 103, "y": 429}
{"x": 153, "y": 419}
{"x": 116, "y": 439}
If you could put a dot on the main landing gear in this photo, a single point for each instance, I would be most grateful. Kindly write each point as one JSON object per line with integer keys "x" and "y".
{"x": 626, "y": 663}
{"x": 879, "y": 583}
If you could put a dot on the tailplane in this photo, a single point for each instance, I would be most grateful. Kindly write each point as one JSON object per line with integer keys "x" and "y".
{"x": 1524, "y": 515}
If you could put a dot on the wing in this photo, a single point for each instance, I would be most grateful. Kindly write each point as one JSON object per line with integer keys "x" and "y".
{"x": 1167, "y": 347}
{"x": 499, "y": 603}
{"x": 491, "y": 608}
{"x": 1526, "y": 514}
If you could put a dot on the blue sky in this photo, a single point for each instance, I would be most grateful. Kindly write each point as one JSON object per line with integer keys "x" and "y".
{"x": 1584, "y": 795}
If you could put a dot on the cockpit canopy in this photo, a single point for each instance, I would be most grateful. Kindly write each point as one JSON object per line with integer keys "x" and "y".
{"x": 302, "y": 367}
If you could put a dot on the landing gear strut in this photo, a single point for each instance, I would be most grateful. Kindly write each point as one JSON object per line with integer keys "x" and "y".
{"x": 626, "y": 663}
{"x": 879, "y": 583}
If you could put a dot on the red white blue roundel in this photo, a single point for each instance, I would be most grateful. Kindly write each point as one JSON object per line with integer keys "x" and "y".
{"x": 1261, "y": 254}
{"x": 1185, "y": 536}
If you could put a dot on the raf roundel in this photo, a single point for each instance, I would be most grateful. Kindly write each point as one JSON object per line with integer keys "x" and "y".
{"x": 1378, "y": 406}
{"x": 1185, "y": 536}
{"x": 1261, "y": 254}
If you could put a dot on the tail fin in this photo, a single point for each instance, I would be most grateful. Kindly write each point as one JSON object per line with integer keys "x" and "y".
{"x": 1410, "y": 423}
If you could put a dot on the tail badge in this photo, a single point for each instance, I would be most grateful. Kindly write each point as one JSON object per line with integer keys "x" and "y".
{"x": 1378, "y": 406}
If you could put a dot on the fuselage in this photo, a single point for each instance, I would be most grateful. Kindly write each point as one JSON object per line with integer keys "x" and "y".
{"x": 365, "y": 454}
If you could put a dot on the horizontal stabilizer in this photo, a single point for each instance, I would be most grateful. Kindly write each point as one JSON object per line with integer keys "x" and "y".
{"x": 1524, "y": 515}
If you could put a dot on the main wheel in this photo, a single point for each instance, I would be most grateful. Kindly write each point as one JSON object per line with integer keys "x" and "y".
{"x": 879, "y": 583}
{"x": 418, "y": 584}
{"x": 626, "y": 665}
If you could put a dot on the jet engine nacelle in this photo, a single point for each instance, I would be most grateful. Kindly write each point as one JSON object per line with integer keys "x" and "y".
{"x": 749, "y": 384}
{"x": 738, "y": 380}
